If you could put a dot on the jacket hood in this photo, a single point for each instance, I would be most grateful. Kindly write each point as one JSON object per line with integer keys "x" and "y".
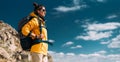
{"x": 33, "y": 14}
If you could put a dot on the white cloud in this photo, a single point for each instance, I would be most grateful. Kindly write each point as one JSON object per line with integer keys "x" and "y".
{"x": 102, "y": 27}
{"x": 107, "y": 42}
{"x": 98, "y": 31}
{"x": 115, "y": 42}
{"x": 68, "y": 43}
{"x": 94, "y": 57}
{"x": 101, "y": 52}
{"x": 52, "y": 41}
{"x": 66, "y": 9}
{"x": 72, "y": 8}
{"x": 70, "y": 54}
{"x": 93, "y": 35}
{"x": 111, "y": 16}
{"x": 77, "y": 46}
{"x": 100, "y": 1}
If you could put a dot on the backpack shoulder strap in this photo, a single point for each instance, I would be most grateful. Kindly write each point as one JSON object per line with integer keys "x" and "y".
{"x": 40, "y": 28}
{"x": 40, "y": 22}
{"x": 24, "y": 21}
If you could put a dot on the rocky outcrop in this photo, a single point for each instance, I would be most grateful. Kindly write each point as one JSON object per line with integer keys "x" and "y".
{"x": 9, "y": 44}
{"x": 10, "y": 48}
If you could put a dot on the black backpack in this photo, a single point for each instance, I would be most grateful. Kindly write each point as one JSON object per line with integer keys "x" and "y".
{"x": 25, "y": 41}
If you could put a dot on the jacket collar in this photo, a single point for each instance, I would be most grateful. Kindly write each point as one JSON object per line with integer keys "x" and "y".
{"x": 34, "y": 15}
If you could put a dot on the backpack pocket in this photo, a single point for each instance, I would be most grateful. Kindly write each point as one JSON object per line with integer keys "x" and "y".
{"x": 26, "y": 43}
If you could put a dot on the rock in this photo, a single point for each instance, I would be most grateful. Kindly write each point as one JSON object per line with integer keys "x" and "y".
{"x": 10, "y": 48}
{"x": 50, "y": 59}
{"x": 4, "y": 53}
{"x": 9, "y": 43}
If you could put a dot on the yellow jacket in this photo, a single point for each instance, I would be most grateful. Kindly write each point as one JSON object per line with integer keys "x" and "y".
{"x": 33, "y": 26}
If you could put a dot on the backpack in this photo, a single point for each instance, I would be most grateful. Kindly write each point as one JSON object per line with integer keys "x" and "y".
{"x": 25, "y": 41}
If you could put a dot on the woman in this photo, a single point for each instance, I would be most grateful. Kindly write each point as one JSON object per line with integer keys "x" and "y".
{"x": 32, "y": 28}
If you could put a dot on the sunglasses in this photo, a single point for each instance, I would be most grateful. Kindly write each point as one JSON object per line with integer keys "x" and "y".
{"x": 43, "y": 10}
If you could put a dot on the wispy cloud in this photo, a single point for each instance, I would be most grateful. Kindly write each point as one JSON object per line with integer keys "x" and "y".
{"x": 76, "y": 6}
{"x": 70, "y": 54}
{"x": 101, "y": 52}
{"x": 66, "y": 9}
{"x": 98, "y": 31}
{"x": 102, "y": 27}
{"x": 52, "y": 41}
{"x": 111, "y": 16}
{"x": 115, "y": 42}
{"x": 93, "y": 35}
{"x": 93, "y": 57}
{"x": 105, "y": 42}
{"x": 68, "y": 43}
{"x": 100, "y": 1}
{"x": 77, "y": 46}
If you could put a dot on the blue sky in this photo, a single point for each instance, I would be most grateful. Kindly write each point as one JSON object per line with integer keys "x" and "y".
{"x": 82, "y": 30}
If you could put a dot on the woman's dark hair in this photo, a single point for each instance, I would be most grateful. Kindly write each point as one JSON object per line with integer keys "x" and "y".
{"x": 37, "y": 7}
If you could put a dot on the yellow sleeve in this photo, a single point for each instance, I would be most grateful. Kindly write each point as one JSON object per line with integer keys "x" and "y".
{"x": 28, "y": 27}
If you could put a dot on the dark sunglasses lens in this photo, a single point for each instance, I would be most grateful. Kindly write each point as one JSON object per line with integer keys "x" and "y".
{"x": 43, "y": 10}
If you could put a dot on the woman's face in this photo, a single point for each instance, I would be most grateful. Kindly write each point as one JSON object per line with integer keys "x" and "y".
{"x": 42, "y": 12}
